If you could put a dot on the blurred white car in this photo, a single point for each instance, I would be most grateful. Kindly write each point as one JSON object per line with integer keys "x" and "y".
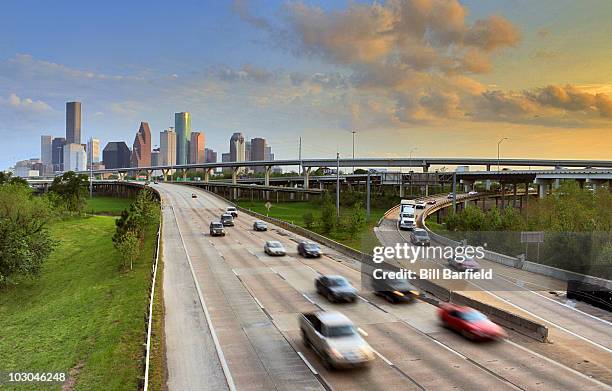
{"x": 274, "y": 247}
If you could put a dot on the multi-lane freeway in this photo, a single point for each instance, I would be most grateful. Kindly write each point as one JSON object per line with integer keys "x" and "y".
{"x": 231, "y": 320}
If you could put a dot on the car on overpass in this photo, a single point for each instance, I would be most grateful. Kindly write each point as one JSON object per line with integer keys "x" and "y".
{"x": 420, "y": 237}
{"x": 309, "y": 249}
{"x": 420, "y": 205}
{"x": 193, "y": 195}
{"x": 274, "y": 247}
{"x": 216, "y": 229}
{"x": 260, "y": 226}
{"x": 463, "y": 263}
{"x": 335, "y": 339}
{"x": 469, "y": 322}
{"x": 335, "y": 288}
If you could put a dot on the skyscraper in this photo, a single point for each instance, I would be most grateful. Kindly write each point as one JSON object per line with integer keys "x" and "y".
{"x": 93, "y": 151}
{"x": 182, "y": 125}
{"x": 226, "y": 157}
{"x": 141, "y": 153}
{"x": 116, "y": 154}
{"x": 167, "y": 147}
{"x": 57, "y": 154}
{"x": 196, "y": 148}
{"x": 237, "y": 148}
{"x": 75, "y": 158}
{"x": 258, "y": 152}
{"x": 155, "y": 157}
{"x": 46, "y": 154}
{"x": 73, "y": 122}
{"x": 211, "y": 155}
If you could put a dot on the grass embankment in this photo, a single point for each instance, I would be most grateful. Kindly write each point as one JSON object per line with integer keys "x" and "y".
{"x": 109, "y": 206}
{"x": 293, "y": 212}
{"x": 82, "y": 315}
{"x": 433, "y": 225}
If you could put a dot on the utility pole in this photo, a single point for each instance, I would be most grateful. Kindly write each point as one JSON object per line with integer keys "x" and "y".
{"x": 338, "y": 186}
{"x": 300, "y": 156}
{"x": 455, "y": 191}
{"x": 501, "y": 140}
{"x": 91, "y": 168}
{"x": 368, "y": 196}
{"x": 354, "y": 151}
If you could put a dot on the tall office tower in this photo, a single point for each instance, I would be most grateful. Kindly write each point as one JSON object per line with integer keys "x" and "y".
{"x": 167, "y": 147}
{"x": 46, "y": 154}
{"x": 268, "y": 155}
{"x": 155, "y": 157}
{"x": 75, "y": 158}
{"x": 141, "y": 153}
{"x": 73, "y": 122}
{"x": 237, "y": 148}
{"x": 182, "y": 125}
{"x": 211, "y": 155}
{"x": 258, "y": 152}
{"x": 57, "y": 154}
{"x": 247, "y": 151}
{"x": 196, "y": 148}
{"x": 116, "y": 154}
{"x": 225, "y": 158}
{"x": 93, "y": 151}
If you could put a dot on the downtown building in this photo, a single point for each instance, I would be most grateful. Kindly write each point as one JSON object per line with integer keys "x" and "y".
{"x": 46, "y": 155}
{"x": 167, "y": 147}
{"x": 196, "y": 148}
{"x": 93, "y": 152}
{"x": 57, "y": 153}
{"x": 258, "y": 152}
{"x": 116, "y": 154}
{"x": 182, "y": 126}
{"x": 73, "y": 122}
{"x": 210, "y": 155}
{"x": 75, "y": 157}
{"x": 141, "y": 152}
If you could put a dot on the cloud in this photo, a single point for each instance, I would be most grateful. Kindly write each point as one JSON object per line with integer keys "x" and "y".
{"x": 25, "y": 104}
{"x": 241, "y": 7}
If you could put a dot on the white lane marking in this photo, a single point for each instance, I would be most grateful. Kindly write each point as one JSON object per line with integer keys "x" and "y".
{"x": 308, "y": 298}
{"x": 575, "y": 372}
{"x": 312, "y": 369}
{"x": 224, "y": 366}
{"x": 235, "y": 272}
{"x": 382, "y": 357}
{"x": 258, "y": 302}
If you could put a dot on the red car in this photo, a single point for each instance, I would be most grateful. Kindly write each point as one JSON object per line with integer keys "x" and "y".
{"x": 469, "y": 322}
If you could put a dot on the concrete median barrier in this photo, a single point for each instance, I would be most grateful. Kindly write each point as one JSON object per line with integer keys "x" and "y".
{"x": 509, "y": 320}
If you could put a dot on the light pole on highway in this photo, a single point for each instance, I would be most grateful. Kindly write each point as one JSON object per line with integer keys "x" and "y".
{"x": 338, "y": 186}
{"x": 353, "y": 150}
{"x": 501, "y": 140}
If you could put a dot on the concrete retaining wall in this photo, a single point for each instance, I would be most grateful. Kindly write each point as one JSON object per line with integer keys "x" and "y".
{"x": 515, "y": 322}
{"x": 564, "y": 275}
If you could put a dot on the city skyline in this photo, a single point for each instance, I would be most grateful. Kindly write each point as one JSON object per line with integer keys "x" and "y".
{"x": 491, "y": 70}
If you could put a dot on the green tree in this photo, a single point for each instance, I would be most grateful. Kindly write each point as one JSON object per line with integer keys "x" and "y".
{"x": 357, "y": 219}
{"x": 129, "y": 248}
{"x": 24, "y": 240}
{"x": 308, "y": 219}
{"x": 7, "y": 177}
{"x": 72, "y": 189}
{"x": 328, "y": 214}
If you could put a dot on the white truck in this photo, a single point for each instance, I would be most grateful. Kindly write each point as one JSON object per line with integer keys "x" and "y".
{"x": 335, "y": 339}
{"x": 407, "y": 215}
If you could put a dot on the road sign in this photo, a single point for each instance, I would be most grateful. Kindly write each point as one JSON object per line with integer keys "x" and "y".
{"x": 532, "y": 237}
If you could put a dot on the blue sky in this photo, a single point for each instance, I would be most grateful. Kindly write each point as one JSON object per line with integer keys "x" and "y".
{"x": 395, "y": 72}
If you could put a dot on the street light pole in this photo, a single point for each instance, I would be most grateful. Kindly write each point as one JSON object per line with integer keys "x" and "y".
{"x": 501, "y": 140}
{"x": 353, "y": 151}
{"x": 91, "y": 168}
{"x": 338, "y": 186}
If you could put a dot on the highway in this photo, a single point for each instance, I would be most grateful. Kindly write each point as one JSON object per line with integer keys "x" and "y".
{"x": 231, "y": 319}
{"x": 581, "y": 338}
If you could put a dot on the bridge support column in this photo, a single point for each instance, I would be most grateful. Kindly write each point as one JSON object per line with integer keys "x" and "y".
{"x": 165, "y": 174}
{"x": 467, "y": 185}
{"x": 184, "y": 174}
{"x": 514, "y": 195}
{"x": 121, "y": 175}
{"x": 207, "y": 172}
{"x": 149, "y": 174}
{"x": 267, "y": 171}
{"x": 543, "y": 184}
{"x": 306, "y": 175}
{"x": 235, "y": 171}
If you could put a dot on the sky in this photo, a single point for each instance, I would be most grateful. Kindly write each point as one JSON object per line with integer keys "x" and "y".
{"x": 435, "y": 78}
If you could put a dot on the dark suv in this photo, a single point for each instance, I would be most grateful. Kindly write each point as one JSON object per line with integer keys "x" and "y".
{"x": 216, "y": 229}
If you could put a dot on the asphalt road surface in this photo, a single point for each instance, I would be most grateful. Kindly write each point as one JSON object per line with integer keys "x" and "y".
{"x": 231, "y": 319}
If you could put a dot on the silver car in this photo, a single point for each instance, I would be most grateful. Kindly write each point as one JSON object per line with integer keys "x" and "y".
{"x": 336, "y": 339}
{"x": 274, "y": 247}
